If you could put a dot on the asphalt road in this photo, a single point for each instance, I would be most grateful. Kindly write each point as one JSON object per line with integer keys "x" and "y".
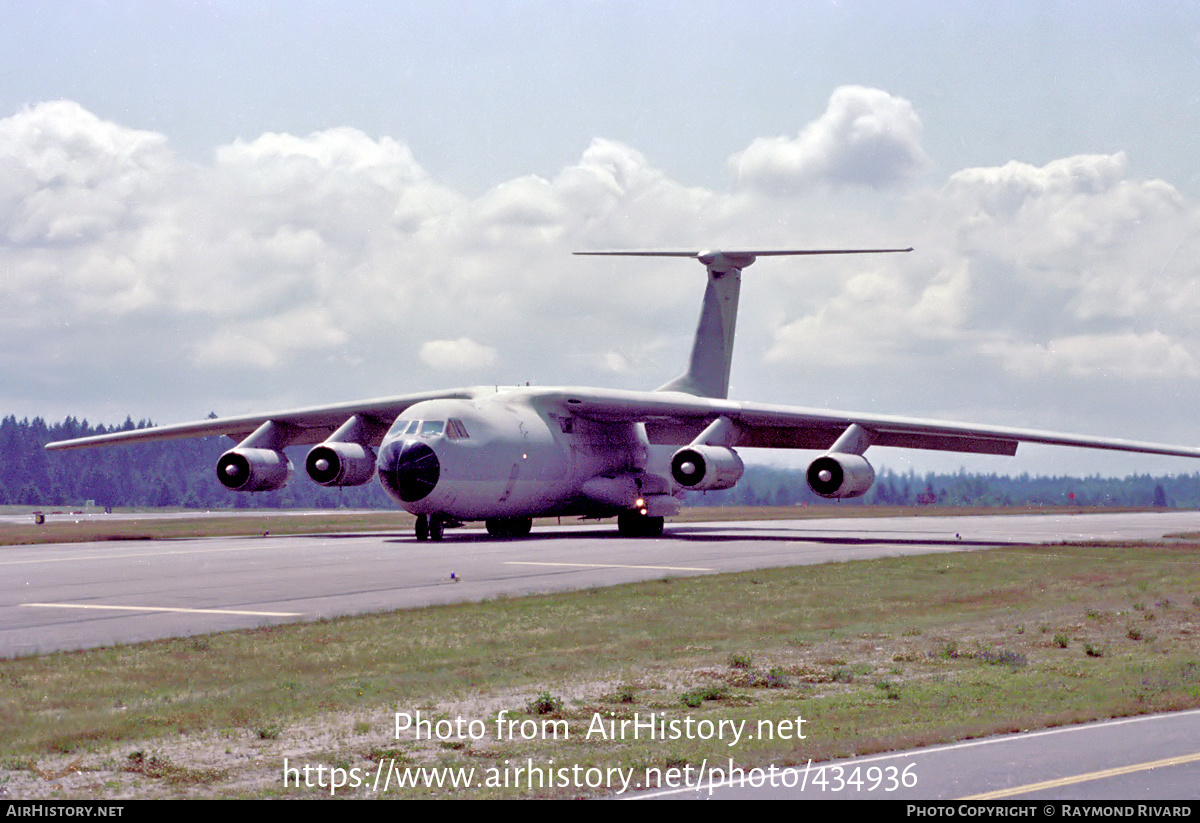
{"x": 1133, "y": 760}
{"x": 80, "y": 595}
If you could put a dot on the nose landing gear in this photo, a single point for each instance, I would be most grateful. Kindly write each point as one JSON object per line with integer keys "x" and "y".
{"x": 430, "y": 527}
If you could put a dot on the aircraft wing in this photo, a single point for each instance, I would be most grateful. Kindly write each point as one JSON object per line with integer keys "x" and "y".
{"x": 312, "y": 425}
{"x": 674, "y": 418}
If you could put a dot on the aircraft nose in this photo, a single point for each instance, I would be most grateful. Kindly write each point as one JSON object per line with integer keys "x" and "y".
{"x": 409, "y": 470}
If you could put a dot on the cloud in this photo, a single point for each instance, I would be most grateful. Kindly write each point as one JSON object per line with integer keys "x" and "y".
{"x": 69, "y": 177}
{"x": 1037, "y": 296}
{"x": 1004, "y": 190}
{"x": 1076, "y": 244}
{"x": 880, "y": 318}
{"x": 264, "y": 343}
{"x": 463, "y": 354}
{"x": 866, "y": 137}
{"x": 307, "y": 269}
{"x": 1129, "y": 356}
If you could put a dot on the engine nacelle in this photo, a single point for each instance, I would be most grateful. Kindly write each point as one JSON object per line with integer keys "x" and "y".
{"x": 253, "y": 470}
{"x": 840, "y": 475}
{"x": 706, "y": 468}
{"x": 340, "y": 464}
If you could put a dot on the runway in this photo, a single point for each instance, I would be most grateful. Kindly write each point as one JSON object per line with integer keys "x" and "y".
{"x": 81, "y": 595}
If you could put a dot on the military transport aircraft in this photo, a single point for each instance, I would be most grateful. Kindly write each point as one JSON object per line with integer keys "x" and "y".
{"x": 507, "y": 455}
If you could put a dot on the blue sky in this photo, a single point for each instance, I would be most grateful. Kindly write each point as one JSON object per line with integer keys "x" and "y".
{"x": 243, "y": 206}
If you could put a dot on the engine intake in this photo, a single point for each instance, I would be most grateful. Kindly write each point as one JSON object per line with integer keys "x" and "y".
{"x": 340, "y": 464}
{"x": 253, "y": 470}
{"x": 840, "y": 475}
{"x": 706, "y": 468}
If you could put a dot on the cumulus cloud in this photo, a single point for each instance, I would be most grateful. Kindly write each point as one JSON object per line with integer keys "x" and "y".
{"x": 69, "y": 177}
{"x": 1053, "y": 288}
{"x": 878, "y": 318}
{"x": 1121, "y": 356}
{"x": 306, "y": 269}
{"x": 263, "y": 343}
{"x": 463, "y": 354}
{"x": 866, "y": 137}
{"x": 1004, "y": 190}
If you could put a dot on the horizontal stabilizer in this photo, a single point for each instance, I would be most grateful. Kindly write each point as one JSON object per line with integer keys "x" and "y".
{"x": 738, "y": 253}
{"x": 719, "y": 261}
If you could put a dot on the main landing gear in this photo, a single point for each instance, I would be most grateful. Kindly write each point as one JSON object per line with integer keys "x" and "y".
{"x": 630, "y": 524}
{"x": 509, "y": 526}
{"x": 430, "y": 527}
{"x": 636, "y": 524}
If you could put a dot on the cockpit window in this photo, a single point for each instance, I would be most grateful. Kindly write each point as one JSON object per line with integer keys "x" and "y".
{"x": 454, "y": 429}
{"x": 404, "y": 427}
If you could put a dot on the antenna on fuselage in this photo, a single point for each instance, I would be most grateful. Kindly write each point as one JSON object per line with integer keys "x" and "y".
{"x": 707, "y": 374}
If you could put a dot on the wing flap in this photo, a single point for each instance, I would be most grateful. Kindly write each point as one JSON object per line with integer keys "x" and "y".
{"x": 947, "y": 442}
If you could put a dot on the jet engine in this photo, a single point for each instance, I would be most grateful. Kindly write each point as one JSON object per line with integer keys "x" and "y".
{"x": 340, "y": 464}
{"x": 706, "y": 468}
{"x": 840, "y": 475}
{"x": 253, "y": 470}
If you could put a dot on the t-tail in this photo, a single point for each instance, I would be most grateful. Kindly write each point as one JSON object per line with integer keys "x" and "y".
{"x": 707, "y": 373}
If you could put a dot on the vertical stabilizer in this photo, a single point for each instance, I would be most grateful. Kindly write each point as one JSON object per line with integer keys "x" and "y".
{"x": 707, "y": 373}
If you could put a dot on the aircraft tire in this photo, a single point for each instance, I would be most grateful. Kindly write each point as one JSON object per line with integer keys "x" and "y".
{"x": 422, "y": 527}
{"x": 509, "y": 527}
{"x": 437, "y": 528}
{"x": 633, "y": 524}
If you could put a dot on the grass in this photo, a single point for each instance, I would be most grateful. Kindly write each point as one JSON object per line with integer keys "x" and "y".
{"x": 62, "y": 528}
{"x": 872, "y": 655}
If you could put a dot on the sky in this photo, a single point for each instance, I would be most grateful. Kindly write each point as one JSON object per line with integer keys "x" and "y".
{"x": 241, "y": 207}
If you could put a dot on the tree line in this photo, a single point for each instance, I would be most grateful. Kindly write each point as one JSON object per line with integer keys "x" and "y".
{"x": 767, "y": 486}
{"x": 182, "y": 473}
{"x": 164, "y": 473}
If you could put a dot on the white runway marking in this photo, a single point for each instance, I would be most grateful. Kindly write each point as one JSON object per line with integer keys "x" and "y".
{"x": 160, "y": 609}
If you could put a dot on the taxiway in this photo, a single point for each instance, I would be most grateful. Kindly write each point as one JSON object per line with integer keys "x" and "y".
{"x": 80, "y": 595}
